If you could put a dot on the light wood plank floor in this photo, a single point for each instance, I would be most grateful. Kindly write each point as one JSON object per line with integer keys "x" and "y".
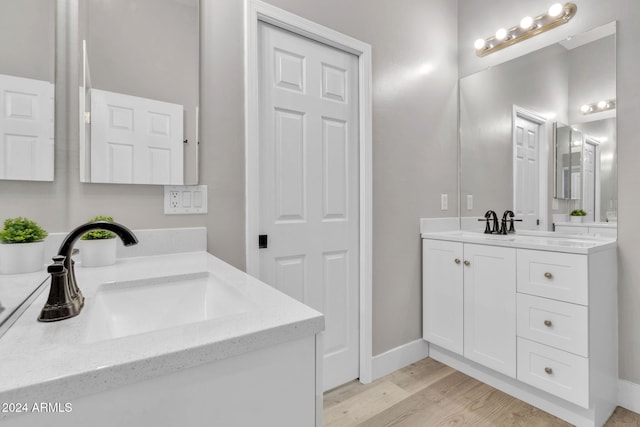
{"x": 428, "y": 393}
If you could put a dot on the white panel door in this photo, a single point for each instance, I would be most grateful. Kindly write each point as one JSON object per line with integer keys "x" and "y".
{"x": 442, "y": 294}
{"x": 309, "y": 190}
{"x": 26, "y": 129}
{"x": 589, "y": 179}
{"x": 526, "y": 172}
{"x": 490, "y": 307}
{"x": 135, "y": 140}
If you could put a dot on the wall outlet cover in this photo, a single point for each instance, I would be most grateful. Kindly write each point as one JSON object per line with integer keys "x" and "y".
{"x": 185, "y": 199}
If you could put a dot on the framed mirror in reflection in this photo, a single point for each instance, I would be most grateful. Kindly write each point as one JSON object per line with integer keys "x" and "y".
{"x": 525, "y": 144}
{"x": 27, "y": 88}
{"x": 140, "y": 91}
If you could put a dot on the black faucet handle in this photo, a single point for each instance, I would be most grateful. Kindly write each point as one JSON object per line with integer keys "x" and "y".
{"x": 58, "y": 265}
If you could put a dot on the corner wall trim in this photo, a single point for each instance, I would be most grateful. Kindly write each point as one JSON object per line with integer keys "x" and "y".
{"x": 629, "y": 395}
{"x": 399, "y": 357}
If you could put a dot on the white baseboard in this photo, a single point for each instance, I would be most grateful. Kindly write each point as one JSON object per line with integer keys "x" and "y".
{"x": 399, "y": 357}
{"x": 629, "y": 395}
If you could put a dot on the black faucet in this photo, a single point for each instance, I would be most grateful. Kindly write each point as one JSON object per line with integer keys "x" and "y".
{"x": 491, "y": 216}
{"x": 65, "y": 299}
{"x": 508, "y": 216}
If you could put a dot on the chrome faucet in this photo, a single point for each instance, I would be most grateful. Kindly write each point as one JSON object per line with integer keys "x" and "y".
{"x": 65, "y": 299}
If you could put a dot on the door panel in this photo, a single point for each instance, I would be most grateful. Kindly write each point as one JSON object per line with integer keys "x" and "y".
{"x": 309, "y": 190}
{"x": 135, "y": 140}
{"x": 26, "y": 121}
{"x": 526, "y": 182}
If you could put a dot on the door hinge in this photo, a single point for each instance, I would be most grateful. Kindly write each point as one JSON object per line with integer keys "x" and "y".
{"x": 262, "y": 241}
{"x": 87, "y": 117}
{"x": 537, "y": 222}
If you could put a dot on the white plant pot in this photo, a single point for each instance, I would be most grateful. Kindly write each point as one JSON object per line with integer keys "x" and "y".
{"x": 97, "y": 253}
{"x": 18, "y": 258}
{"x": 576, "y": 218}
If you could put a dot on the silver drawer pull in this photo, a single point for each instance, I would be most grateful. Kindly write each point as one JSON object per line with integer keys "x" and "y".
{"x": 457, "y": 260}
{"x": 548, "y": 370}
{"x": 548, "y": 275}
{"x": 466, "y": 262}
{"x": 548, "y": 323}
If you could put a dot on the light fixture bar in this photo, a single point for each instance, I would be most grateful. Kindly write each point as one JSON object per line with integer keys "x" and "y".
{"x": 598, "y": 107}
{"x": 557, "y": 15}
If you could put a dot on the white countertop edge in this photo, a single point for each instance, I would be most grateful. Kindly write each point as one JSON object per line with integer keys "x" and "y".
{"x": 494, "y": 240}
{"x": 95, "y": 367}
{"x": 68, "y": 388}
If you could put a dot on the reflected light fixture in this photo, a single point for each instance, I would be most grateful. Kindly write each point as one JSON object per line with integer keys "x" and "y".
{"x": 598, "y": 107}
{"x": 557, "y": 14}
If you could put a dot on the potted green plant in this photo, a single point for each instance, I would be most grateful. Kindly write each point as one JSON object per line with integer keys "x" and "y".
{"x": 21, "y": 246}
{"x": 98, "y": 247}
{"x": 577, "y": 215}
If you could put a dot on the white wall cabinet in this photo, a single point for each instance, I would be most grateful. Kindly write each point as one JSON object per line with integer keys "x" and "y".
{"x": 469, "y": 302}
{"x": 546, "y": 319}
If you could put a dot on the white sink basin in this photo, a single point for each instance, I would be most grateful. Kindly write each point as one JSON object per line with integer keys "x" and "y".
{"x": 129, "y": 308}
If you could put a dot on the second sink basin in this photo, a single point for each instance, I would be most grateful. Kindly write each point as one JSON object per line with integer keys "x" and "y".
{"x": 129, "y": 308}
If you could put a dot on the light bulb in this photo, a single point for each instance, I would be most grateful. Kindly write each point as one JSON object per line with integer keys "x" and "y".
{"x": 479, "y": 44}
{"x": 501, "y": 34}
{"x": 556, "y": 10}
{"x": 526, "y": 23}
{"x": 585, "y": 108}
{"x": 602, "y": 104}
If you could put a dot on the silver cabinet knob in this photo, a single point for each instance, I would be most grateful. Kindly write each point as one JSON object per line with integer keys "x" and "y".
{"x": 548, "y": 275}
{"x": 457, "y": 260}
{"x": 467, "y": 262}
{"x": 548, "y": 323}
{"x": 548, "y": 370}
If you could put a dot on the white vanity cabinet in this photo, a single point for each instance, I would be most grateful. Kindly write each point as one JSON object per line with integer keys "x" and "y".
{"x": 534, "y": 316}
{"x": 469, "y": 304}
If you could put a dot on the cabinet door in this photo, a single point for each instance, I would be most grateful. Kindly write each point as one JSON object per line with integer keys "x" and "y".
{"x": 442, "y": 301}
{"x": 490, "y": 307}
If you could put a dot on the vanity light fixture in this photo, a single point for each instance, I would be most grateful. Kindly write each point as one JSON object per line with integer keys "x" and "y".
{"x": 598, "y": 107}
{"x": 557, "y": 14}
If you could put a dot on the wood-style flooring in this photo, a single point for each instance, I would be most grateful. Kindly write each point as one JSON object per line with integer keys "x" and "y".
{"x": 428, "y": 393}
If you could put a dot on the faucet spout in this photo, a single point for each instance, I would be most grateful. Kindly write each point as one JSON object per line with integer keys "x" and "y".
{"x": 65, "y": 299}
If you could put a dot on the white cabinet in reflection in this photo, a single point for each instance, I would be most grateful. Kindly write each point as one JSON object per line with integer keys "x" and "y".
{"x": 135, "y": 140}
{"x": 26, "y": 129}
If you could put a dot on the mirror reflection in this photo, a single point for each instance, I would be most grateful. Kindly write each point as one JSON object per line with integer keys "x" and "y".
{"x": 27, "y": 55}
{"x": 527, "y": 143}
{"x": 139, "y": 100}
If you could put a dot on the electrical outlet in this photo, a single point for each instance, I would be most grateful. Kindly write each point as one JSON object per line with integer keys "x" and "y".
{"x": 174, "y": 199}
{"x": 444, "y": 202}
{"x": 185, "y": 199}
{"x": 469, "y": 202}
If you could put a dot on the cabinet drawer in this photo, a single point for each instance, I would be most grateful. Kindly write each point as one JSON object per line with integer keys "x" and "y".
{"x": 553, "y": 275}
{"x": 555, "y": 371}
{"x": 558, "y": 324}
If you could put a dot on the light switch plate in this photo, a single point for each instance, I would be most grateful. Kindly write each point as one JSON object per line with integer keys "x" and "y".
{"x": 185, "y": 199}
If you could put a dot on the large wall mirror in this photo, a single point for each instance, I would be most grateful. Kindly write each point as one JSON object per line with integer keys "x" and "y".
{"x": 140, "y": 91}
{"x": 529, "y": 142}
{"x": 27, "y": 71}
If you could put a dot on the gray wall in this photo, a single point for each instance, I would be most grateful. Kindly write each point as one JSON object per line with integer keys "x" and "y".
{"x": 27, "y": 38}
{"x": 477, "y": 19}
{"x": 414, "y": 143}
{"x": 537, "y": 82}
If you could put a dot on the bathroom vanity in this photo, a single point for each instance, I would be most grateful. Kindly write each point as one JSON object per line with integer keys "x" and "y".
{"x": 166, "y": 339}
{"x": 533, "y": 315}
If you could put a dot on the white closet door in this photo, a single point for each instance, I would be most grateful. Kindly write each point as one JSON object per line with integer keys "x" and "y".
{"x": 309, "y": 187}
{"x": 26, "y": 129}
{"x": 135, "y": 140}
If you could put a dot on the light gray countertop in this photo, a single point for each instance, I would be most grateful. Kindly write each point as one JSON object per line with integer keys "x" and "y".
{"x": 546, "y": 241}
{"x": 58, "y": 361}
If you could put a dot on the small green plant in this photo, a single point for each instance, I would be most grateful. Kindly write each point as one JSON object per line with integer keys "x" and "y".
{"x": 99, "y": 234}
{"x": 578, "y": 212}
{"x": 21, "y": 230}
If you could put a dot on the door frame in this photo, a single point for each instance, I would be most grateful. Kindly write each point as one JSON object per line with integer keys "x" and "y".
{"x": 543, "y": 159}
{"x": 256, "y": 11}
{"x": 597, "y": 194}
